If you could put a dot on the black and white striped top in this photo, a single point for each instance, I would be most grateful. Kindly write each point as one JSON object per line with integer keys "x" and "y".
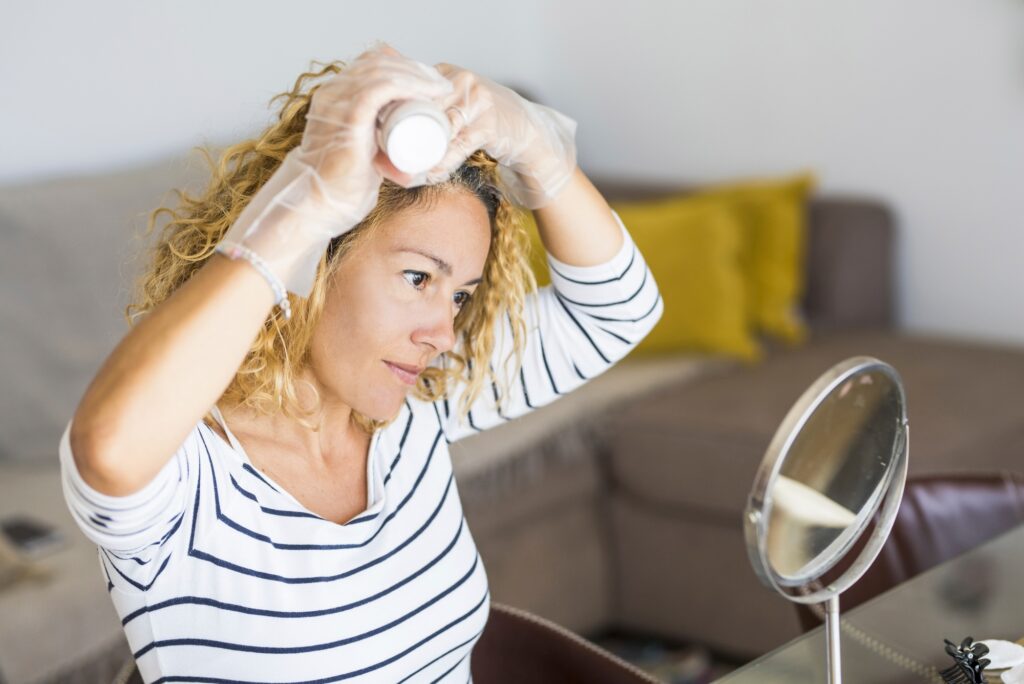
{"x": 220, "y": 575}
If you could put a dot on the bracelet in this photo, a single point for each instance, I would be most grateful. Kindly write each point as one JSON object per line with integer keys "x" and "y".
{"x": 233, "y": 251}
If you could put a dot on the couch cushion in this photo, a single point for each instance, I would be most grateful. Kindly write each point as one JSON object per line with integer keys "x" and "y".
{"x": 697, "y": 445}
{"x": 694, "y": 248}
{"x": 773, "y": 213}
{"x": 850, "y": 251}
{"x": 65, "y": 272}
{"x": 688, "y": 578}
{"x": 545, "y": 460}
{"x": 561, "y": 430}
{"x": 533, "y": 489}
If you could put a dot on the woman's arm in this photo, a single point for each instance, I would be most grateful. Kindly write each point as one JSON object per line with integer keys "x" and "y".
{"x": 165, "y": 374}
{"x": 173, "y": 366}
{"x": 589, "y": 318}
{"x": 577, "y": 227}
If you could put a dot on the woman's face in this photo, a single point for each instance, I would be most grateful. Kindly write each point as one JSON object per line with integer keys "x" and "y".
{"x": 393, "y": 301}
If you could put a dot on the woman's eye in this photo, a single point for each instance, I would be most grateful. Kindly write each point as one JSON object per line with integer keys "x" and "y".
{"x": 419, "y": 279}
{"x": 416, "y": 278}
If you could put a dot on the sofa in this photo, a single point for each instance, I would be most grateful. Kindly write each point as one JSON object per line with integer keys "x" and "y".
{"x": 619, "y": 506}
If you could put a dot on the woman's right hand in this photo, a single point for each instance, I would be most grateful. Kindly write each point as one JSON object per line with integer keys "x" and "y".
{"x": 330, "y": 182}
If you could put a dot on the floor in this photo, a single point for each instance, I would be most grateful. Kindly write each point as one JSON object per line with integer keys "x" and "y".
{"x": 670, "y": 662}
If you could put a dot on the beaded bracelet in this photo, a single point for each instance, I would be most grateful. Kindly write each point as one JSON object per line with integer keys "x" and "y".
{"x": 233, "y": 250}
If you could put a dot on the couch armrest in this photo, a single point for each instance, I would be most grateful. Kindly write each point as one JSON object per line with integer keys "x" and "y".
{"x": 850, "y": 264}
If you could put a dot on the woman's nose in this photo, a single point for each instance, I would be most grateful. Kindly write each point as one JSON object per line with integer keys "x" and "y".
{"x": 439, "y": 330}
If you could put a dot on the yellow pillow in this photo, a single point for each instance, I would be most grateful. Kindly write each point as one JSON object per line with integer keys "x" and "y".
{"x": 692, "y": 247}
{"x": 774, "y": 216}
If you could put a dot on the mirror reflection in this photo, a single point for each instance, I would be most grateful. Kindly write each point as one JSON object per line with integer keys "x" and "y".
{"x": 833, "y": 474}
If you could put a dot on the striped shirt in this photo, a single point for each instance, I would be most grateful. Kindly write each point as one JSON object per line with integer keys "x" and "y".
{"x": 219, "y": 575}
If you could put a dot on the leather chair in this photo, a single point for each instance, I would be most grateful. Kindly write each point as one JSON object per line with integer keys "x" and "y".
{"x": 518, "y": 647}
{"x": 941, "y": 516}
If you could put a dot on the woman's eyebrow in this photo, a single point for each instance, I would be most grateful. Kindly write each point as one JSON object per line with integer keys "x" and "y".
{"x": 443, "y": 265}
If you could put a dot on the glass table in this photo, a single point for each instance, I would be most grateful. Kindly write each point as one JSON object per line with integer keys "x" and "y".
{"x": 896, "y": 637}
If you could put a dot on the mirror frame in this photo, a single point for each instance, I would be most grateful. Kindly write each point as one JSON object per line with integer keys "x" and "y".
{"x": 758, "y": 510}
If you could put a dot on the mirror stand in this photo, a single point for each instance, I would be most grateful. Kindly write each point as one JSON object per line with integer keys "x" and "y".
{"x": 833, "y": 658}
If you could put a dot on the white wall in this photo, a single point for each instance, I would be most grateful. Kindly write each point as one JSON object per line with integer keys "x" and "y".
{"x": 920, "y": 102}
{"x": 97, "y": 85}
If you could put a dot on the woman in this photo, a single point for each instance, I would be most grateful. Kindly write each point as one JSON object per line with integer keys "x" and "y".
{"x": 270, "y": 488}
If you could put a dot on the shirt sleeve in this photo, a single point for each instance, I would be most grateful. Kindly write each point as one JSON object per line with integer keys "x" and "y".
{"x": 589, "y": 318}
{"x": 133, "y": 532}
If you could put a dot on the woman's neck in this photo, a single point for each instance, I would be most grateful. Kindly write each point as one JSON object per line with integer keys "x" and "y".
{"x": 338, "y": 439}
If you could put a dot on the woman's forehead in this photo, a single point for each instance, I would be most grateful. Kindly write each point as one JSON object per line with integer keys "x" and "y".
{"x": 455, "y": 228}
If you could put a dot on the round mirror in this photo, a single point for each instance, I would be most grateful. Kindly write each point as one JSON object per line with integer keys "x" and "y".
{"x": 829, "y": 486}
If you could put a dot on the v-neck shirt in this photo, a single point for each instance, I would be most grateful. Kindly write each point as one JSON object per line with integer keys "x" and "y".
{"x": 371, "y": 475}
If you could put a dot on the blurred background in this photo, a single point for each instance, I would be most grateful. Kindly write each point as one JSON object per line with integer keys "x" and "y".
{"x": 919, "y": 102}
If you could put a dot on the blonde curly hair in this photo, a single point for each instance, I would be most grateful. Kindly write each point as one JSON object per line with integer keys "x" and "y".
{"x": 267, "y": 378}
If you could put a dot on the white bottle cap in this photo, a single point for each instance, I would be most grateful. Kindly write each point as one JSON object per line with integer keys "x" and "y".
{"x": 415, "y": 136}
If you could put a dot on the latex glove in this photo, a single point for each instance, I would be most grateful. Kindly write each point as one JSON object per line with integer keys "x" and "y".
{"x": 330, "y": 182}
{"x": 534, "y": 144}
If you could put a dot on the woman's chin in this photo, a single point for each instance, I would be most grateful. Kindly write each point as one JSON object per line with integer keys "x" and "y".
{"x": 384, "y": 413}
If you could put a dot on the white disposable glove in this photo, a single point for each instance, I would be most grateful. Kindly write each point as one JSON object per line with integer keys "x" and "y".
{"x": 534, "y": 145}
{"x": 330, "y": 182}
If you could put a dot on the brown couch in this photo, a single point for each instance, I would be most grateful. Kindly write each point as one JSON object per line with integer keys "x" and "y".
{"x": 626, "y": 512}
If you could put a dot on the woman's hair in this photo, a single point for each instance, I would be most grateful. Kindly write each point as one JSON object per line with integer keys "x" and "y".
{"x": 267, "y": 378}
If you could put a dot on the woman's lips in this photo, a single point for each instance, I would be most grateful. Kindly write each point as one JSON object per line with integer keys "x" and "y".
{"x": 403, "y": 373}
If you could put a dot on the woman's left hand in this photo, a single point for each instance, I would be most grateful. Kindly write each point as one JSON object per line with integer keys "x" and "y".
{"x": 535, "y": 143}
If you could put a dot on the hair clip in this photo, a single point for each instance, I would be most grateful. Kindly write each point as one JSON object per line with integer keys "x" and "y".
{"x": 968, "y": 663}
